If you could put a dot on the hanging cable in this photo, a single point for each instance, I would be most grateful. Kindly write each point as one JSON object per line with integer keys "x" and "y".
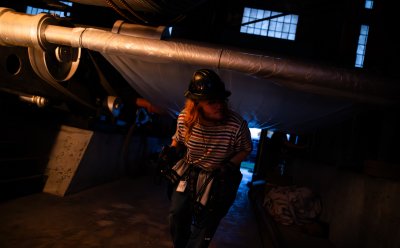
{"x": 131, "y": 10}
{"x": 116, "y": 8}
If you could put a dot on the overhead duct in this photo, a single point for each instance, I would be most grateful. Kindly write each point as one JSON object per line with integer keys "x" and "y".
{"x": 292, "y": 74}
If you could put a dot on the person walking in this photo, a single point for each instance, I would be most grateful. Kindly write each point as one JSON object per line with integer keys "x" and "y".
{"x": 215, "y": 140}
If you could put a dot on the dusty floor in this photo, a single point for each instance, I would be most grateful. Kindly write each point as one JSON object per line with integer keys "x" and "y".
{"x": 130, "y": 212}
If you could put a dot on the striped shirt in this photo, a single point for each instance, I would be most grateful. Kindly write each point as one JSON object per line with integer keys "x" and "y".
{"x": 209, "y": 146}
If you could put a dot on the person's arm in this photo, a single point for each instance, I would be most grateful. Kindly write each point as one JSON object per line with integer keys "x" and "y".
{"x": 174, "y": 143}
{"x": 234, "y": 162}
{"x": 245, "y": 144}
{"x": 238, "y": 158}
{"x": 178, "y": 146}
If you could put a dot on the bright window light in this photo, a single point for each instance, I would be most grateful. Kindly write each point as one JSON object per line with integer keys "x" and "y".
{"x": 270, "y": 133}
{"x": 362, "y": 46}
{"x": 255, "y": 133}
{"x": 66, "y": 3}
{"x": 369, "y": 4}
{"x": 34, "y": 11}
{"x": 271, "y": 23}
{"x": 296, "y": 140}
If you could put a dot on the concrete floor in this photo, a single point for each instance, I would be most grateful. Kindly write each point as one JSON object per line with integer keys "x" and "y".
{"x": 131, "y": 212}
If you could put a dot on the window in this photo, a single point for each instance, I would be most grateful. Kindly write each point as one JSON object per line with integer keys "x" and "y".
{"x": 270, "y": 133}
{"x": 362, "y": 39}
{"x": 369, "y": 4}
{"x": 269, "y": 23}
{"x": 34, "y": 11}
{"x": 66, "y": 3}
{"x": 362, "y": 46}
{"x": 255, "y": 133}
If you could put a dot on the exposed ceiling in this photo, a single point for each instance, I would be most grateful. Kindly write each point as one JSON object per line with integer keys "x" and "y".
{"x": 291, "y": 85}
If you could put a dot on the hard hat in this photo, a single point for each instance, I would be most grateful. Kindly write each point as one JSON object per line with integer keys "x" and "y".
{"x": 206, "y": 85}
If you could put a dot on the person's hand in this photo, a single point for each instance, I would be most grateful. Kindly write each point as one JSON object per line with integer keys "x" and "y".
{"x": 168, "y": 154}
{"x": 166, "y": 160}
{"x": 228, "y": 181}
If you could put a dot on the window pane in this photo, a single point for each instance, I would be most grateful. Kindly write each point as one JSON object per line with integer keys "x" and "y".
{"x": 271, "y": 33}
{"x": 273, "y": 25}
{"x": 362, "y": 40}
{"x": 246, "y": 12}
{"x": 267, "y": 13}
{"x": 263, "y": 32}
{"x": 253, "y": 13}
{"x": 260, "y": 14}
{"x": 285, "y": 28}
{"x": 265, "y": 25}
{"x": 273, "y": 13}
{"x": 279, "y": 26}
{"x": 360, "y": 49}
{"x": 359, "y": 61}
{"x": 292, "y": 29}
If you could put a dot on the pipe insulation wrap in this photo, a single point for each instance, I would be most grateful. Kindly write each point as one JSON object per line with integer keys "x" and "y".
{"x": 289, "y": 73}
{"x": 18, "y": 29}
{"x": 313, "y": 78}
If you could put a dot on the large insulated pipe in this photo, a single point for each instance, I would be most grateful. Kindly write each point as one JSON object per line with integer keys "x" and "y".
{"x": 289, "y": 73}
{"x": 18, "y": 29}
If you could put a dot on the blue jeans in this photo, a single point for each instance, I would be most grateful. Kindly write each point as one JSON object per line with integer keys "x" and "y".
{"x": 187, "y": 230}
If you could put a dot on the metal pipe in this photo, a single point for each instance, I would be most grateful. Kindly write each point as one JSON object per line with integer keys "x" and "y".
{"x": 17, "y": 29}
{"x": 289, "y": 73}
{"x": 116, "y": 44}
{"x": 38, "y": 100}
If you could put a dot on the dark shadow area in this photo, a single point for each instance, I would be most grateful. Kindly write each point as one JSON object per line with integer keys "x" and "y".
{"x": 26, "y": 138}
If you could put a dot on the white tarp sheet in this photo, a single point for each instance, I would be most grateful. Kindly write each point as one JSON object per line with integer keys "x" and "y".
{"x": 261, "y": 102}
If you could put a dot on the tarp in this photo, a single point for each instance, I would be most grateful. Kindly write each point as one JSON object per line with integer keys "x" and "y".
{"x": 262, "y": 102}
